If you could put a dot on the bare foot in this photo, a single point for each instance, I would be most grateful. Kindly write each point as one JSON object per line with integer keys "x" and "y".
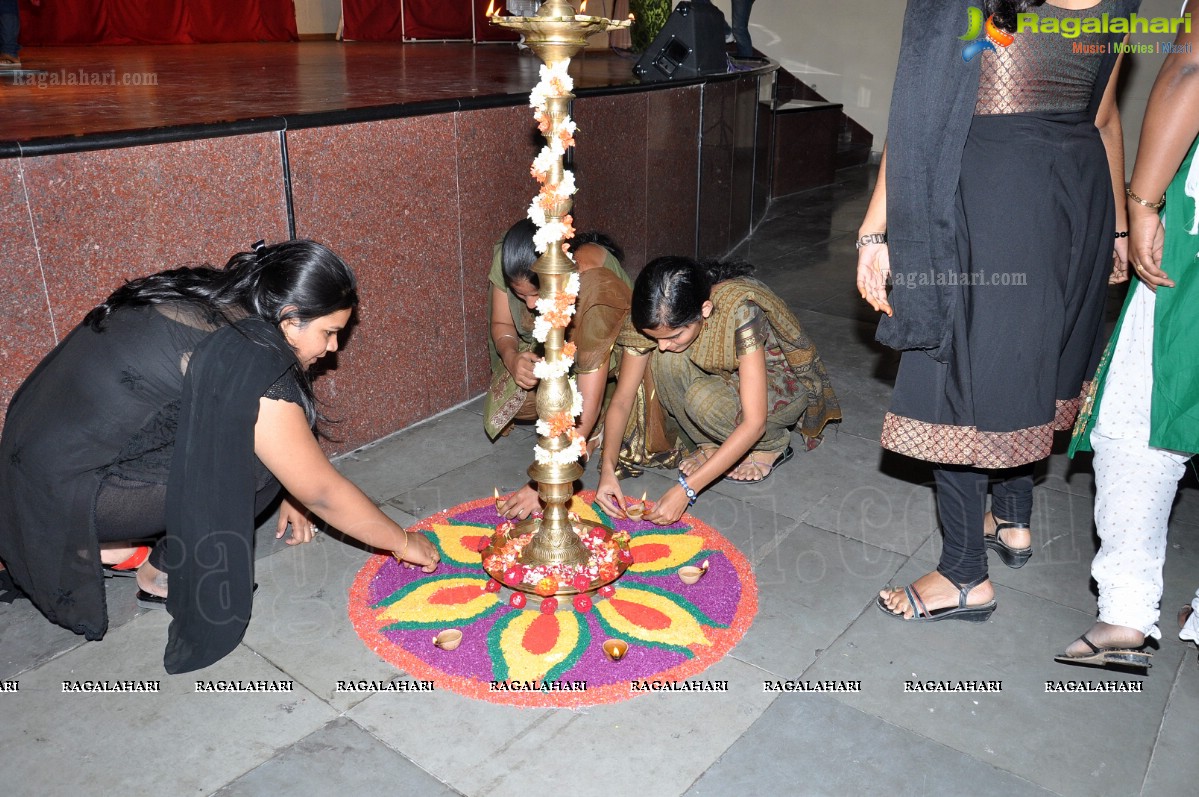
{"x": 1105, "y": 635}
{"x": 1018, "y": 538}
{"x": 937, "y": 592}
{"x": 693, "y": 461}
{"x": 152, "y": 580}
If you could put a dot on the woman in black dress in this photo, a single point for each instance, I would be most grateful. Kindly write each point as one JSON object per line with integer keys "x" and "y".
{"x": 172, "y": 413}
{"x": 993, "y": 220}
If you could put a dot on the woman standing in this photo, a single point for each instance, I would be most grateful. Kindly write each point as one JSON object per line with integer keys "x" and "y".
{"x": 172, "y": 414}
{"x": 1143, "y": 419}
{"x": 994, "y": 220}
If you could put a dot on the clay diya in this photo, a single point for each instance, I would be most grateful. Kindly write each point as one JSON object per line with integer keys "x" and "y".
{"x": 615, "y": 649}
{"x": 448, "y": 639}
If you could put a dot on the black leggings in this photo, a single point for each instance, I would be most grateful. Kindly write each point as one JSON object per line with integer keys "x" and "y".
{"x": 134, "y": 510}
{"x": 961, "y": 504}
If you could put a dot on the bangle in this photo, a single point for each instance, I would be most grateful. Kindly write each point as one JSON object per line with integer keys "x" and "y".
{"x": 1158, "y": 205}
{"x": 691, "y": 496}
{"x": 400, "y": 555}
{"x": 1122, "y": 234}
{"x": 870, "y": 238}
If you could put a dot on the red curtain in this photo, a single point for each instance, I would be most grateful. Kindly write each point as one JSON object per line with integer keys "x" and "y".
{"x": 157, "y": 21}
{"x": 391, "y": 20}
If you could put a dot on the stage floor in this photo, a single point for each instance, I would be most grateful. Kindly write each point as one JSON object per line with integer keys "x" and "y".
{"x": 66, "y": 92}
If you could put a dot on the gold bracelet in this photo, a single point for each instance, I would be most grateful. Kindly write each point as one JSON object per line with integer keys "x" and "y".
{"x": 400, "y": 556}
{"x": 1151, "y": 205}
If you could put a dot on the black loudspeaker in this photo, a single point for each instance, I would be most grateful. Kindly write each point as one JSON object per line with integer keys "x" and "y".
{"x": 691, "y": 43}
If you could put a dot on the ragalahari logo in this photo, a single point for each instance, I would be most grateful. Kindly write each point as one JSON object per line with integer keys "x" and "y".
{"x": 992, "y": 36}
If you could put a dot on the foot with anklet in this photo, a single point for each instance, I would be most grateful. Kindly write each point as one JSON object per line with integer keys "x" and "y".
{"x": 1107, "y": 645}
{"x": 934, "y": 597}
{"x": 151, "y": 587}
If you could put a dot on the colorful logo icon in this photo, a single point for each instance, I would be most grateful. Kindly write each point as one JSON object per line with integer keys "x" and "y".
{"x": 992, "y": 36}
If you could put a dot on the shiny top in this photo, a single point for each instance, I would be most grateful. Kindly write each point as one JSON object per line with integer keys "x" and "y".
{"x": 1043, "y": 72}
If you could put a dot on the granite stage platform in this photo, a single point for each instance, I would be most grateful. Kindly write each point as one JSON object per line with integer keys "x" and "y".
{"x": 410, "y": 160}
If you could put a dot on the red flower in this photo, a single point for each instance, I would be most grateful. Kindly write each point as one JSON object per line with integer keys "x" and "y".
{"x": 546, "y": 586}
{"x": 491, "y": 586}
{"x": 514, "y": 575}
{"x": 582, "y": 603}
{"x": 580, "y": 582}
{"x": 517, "y": 600}
{"x": 607, "y": 590}
{"x": 549, "y": 606}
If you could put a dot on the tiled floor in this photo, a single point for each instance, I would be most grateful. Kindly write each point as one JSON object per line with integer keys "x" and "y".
{"x": 824, "y": 534}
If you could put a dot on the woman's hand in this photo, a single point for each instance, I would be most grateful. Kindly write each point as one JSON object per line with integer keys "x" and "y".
{"x": 609, "y": 496}
{"x": 670, "y": 507}
{"x": 419, "y": 552}
{"x": 1119, "y": 262}
{"x": 520, "y": 365}
{"x": 874, "y": 269}
{"x": 1146, "y": 236}
{"x": 303, "y": 525}
{"x": 520, "y": 504}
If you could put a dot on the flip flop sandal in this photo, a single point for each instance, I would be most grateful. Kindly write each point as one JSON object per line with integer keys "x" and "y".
{"x": 922, "y": 614}
{"x": 1108, "y": 656}
{"x": 148, "y": 600}
{"x": 128, "y": 567}
{"x": 1014, "y": 558}
{"x": 784, "y": 457}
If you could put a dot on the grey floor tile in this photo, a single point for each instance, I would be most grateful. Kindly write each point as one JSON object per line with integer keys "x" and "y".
{"x": 851, "y": 486}
{"x": 809, "y": 745}
{"x": 461, "y": 742}
{"x": 665, "y": 742}
{"x": 1072, "y": 744}
{"x": 401, "y": 462}
{"x": 85, "y": 743}
{"x": 811, "y": 587}
{"x": 301, "y": 622}
{"x": 1175, "y": 767}
{"x": 340, "y": 758}
{"x": 504, "y": 467}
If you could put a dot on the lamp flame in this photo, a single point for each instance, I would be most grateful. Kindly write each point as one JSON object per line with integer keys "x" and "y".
{"x": 583, "y": 7}
{"x": 491, "y": 9}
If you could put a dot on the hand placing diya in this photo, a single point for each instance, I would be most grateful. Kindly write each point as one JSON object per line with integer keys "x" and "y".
{"x": 635, "y": 509}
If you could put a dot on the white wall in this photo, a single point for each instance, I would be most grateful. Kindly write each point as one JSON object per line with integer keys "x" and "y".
{"x": 317, "y": 16}
{"x": 847, "y": 50}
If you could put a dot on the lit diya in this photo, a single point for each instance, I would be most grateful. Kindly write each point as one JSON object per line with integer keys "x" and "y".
{"x": 689, "y": 574}
{"x": 634, "y": 508}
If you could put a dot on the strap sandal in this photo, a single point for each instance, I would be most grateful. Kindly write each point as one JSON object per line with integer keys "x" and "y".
{"x": 770, "y": 468}
{"x": 1012, "y": 557}
{"x": 128, "y": 567}
{"x": 922, "y": 614}
{"x": 1114, "y": 656}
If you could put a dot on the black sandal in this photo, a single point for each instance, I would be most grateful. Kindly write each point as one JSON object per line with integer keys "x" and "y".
{"x": 1115, "y": 656}
{"x": 921, "y": 613}
{"x": 1014, "y": 558}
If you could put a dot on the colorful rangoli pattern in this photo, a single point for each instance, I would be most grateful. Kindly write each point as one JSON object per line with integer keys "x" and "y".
{"x": 674, "y": 631}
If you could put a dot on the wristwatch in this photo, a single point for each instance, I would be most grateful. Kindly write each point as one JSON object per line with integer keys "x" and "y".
{"x": 870, "y": 238}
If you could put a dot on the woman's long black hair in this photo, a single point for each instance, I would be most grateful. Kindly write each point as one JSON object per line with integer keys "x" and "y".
{"x": 518, "y": 254}
{"x": 300, "y": 280}
{"x": 1005, "y": 11}
{"x": 670, "y": 292}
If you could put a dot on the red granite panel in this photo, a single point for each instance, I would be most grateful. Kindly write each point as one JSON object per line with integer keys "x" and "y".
{"x": 495, "y": 149}
{"x": 384, "y": 196}
{"x": 673, "y": 171}
{"x": 610, "y": 167}
{"x": 28, "y": 332}
{"x": 716, "y": 167}
{"x": 762, "y": 163}
{"x": 745, "y": 126}
{"x": 106, "y": 216}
